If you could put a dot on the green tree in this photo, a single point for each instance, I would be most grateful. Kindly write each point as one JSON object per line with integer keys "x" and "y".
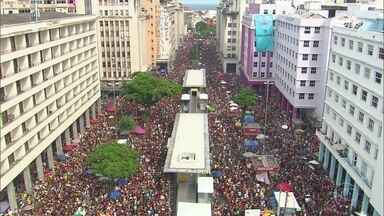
{"x": 245, "y": 98}
{"x": 203, "y": 29}
{"x": 126, "y": 123}
{"x": 147, "y": 89}
{"x": 113, "y": 161}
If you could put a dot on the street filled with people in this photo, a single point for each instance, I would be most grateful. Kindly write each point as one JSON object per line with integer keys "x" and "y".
{"x": 71, "y": 185}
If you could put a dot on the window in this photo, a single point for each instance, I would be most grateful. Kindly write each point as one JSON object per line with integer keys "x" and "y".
{"x": 331, "y": 76}
{"x": 335, "y": 40}
{"x": 370, "y": 50}
{"x": 254, "y": 74}
{"x": 317, "y": 30}
{"x": 367, "y": 72}
{"x": 254, "y": 64}
{"x": 306, "y": 43}
{"x": 315, "y": 43}
{"x": 367, "y": 146}
{"x": 378, "y": 77}
{"x": 349, "y": 129}
{"x": 307, "y": 30}
{"x": 304, "y": 70}
{"x": 354, "y": 159}
{"x": 262, "y": 74}
{"x": 312, "y": 83}
{"x": 341, "y": 122}
{"x": 302, "y": 82}
{"x": 265, "y": 11}
{"x": 361, "y": 117}
{"x": 338, "y": 80}
{"x": 357, "y": 137}
{"x": 381, "y": 53}
{"x": 342, "y": 42}
{"x": 333, "y": 58}
{"x": 360, "y": 47}
{"x": 375, "y": 101}
{"x": 371, "y": 124}
{"x": 351, "y": 110}
{"x": 263, "y": 54}
{"x": 364, "y": 95}
{"x": 349, "y": 65}
{"x": 351, "y": 44}
{"x": 273, "y": 11}
{"x": 354, "y": 89}
{"x": 311, "y": 96}
{"x": 301, "y": 96}
{"x": 344, "y": 103}
{"x": 337, "y": 98}
{"x": 255, "y": 54}
{"x": 340, "y": 61}
{"x": 305, "y": 57}
{"x": 346, "y": 85}
{"x": 313, "y": 70}
{"x": 314, "y": 57}
{"x": 262, "y": 64}
{"x": 357, "y": 68}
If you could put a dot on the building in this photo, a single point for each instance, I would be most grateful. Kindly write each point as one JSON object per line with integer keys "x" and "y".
{"x": 49, "y": 90}
{"x": 171, "y": 33}
{"x": 152, "y": 9}
{"x": 300, "y": 59}
{"x": 351, "y": 136}
{"x": 228, "y": 26}
{"x": 123, "y": 41}
{"x": 256, "y": 64}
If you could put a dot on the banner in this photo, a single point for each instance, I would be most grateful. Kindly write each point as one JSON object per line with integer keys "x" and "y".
{"x": 264, "y": 32}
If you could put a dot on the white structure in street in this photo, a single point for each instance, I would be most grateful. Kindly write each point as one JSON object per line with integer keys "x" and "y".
{"x": 228, "y": 31}
{"x": 300, "y": 62}
{"x": 48, "y": 90}
{"x": 352, "y": 130}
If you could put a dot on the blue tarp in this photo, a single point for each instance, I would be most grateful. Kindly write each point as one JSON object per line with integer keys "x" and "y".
{"x": 115, "y": 194}
{"x": 251, "y": 145}
{"x": 61, "y": 157}
{"x": 216, "y": 173}
{"x": 264, "y": 32}
{"x": 121, "y": 182}
{"x": 249, "y": 119}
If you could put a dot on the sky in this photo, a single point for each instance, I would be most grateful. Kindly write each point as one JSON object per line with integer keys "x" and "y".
{"x": 199, "y": 1}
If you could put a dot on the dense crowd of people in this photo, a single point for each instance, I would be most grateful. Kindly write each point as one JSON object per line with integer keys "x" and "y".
{"x": 71, "y": 186}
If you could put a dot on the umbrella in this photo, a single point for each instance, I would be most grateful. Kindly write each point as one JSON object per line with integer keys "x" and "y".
{"x": 69, "y": 147}
{"x": 76, "y": 141}
{"x": 217, "y": 173}
{"x": 61, "y": 157}
{"x": 285, "y": 187}
{"x": 115, "y": 194}
{"x": 110, "y": 107}
{"x": 299, "y": 131}
{"x": 111, "y": 117}
{"x": 233, "y": 105}
{"x": 80, "y": 212}
{"x": 121, "y": 182}
{"x": 248, "y": 154}
{"x": 139, "y": 130}
{"x": 314, "y": 162}
{"x": 263, "y": 177}
{"x": 260, "y": 136}
{"x": 223, "y": 82}
{"x": 88, "y": 172}
{"x": 233, "y": 108}
{"x": 93, "y": 120}
{"x": 284, "y": 127}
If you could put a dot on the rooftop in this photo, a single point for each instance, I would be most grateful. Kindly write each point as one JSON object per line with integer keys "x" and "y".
{"x": 12, "y": 19}
{"x": 193, "y": 209}
{"x": 194, "y": 79}
{"x": 188, "y": 146}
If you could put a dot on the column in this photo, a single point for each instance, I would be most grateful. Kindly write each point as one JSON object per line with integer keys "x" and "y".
{"x": 326, "y": 158}
{"x": 355, "y": 195}
{"x": 87, "y": 122}
{"x": 82, "y": 124}
{"x": 99, "y": 106}
{"x": 347, "y": 184}
{"x": 74, "y": 130}
{"x": 333, "y": 168}
{"x": 59, "y": 146}
{"x": 93, "y": 111}
{"x": 321, "y": 152}
{"x": 51, "y": 164}
{"x": 339, "y": 175}
{"x": 27, "y": 180}
{"x": 67, "y": 135}
{"x": 40, "y": 168}
{"x": 12, "y": 195}
{"x": 364, "y": 205}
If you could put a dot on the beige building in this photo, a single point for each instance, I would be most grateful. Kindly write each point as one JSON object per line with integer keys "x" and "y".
{"x": 152, "y": 10}
{"x": 49, "y": 89}
{"x": 171, "y": 32}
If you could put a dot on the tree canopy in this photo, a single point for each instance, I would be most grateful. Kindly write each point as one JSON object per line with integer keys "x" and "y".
{"x": 114, "y": 161}
{"x": 126, "y": 123}
{"x": 204, "y": 30}
{"x": 147, "y": 89}
{"x": 245, "y": 98}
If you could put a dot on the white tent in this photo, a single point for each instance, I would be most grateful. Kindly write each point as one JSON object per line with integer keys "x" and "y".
{"x": 203, "y": 96}
{"x": 193, "y": 209}
{"x": 252, "y": 212}
{"x": 205, "y": 185}
{"x": 185, "y": 97}
{"x": 122, "y": 141}
{"x": 286, "y": 200}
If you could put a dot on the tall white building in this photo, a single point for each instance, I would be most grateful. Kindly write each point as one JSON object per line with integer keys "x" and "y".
{"x": 228, "y": 32}
{"x": 123, "y": 40}
{"x": 49, "y": 89}
{"x": 300, "y": 62}
{"x": 352, "y": 129}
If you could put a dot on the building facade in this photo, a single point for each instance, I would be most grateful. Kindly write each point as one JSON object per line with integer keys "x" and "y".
{"x": 152, "y": 10}
{"x": 49, "y": 90}
{"x": 300, "y": 63}
{"x": 256, "y": 64}
{"x": 351, "y": 136}
{"x": 123, "y": 41}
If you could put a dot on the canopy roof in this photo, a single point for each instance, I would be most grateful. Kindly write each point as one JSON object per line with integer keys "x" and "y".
{"x": 185, "y": 97}
{"x": 252, "y": 212}
{"x": 188, "y": 146}
{"x": 205, "y": 185}
{"x": 286, "y": 199}
{"x": 193, "y": 209}
{"x": 195, "y": 79}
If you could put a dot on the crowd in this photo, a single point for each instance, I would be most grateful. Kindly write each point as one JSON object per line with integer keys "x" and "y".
{"x": 70, "y": 186}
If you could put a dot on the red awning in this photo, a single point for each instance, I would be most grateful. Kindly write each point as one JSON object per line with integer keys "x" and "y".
{"x": 69, "y": 147}
{"x": 285, "y": 187}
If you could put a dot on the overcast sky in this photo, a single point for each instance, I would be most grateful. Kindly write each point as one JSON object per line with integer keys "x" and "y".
{"x": 199, "y": 1}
